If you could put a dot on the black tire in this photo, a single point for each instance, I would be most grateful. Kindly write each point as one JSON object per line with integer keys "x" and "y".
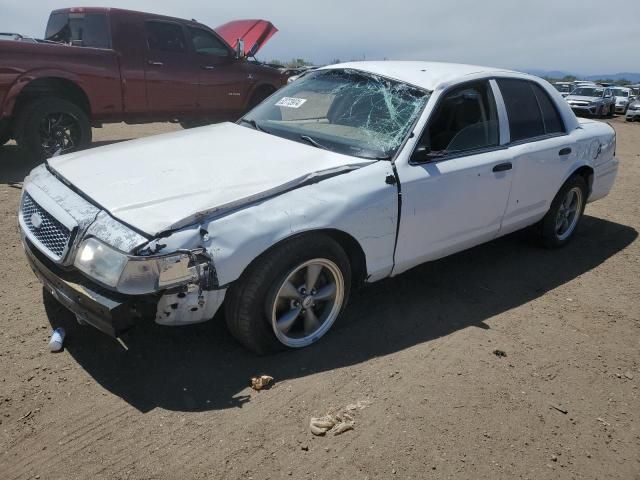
{"x": 258, "y": 97}
{"x": 612, "y": 110}
{"x": 250, "y": 298}
{"x": 30, "y": 127}
{"x": 5, "y": 135}
{"x": 549, "y": 234}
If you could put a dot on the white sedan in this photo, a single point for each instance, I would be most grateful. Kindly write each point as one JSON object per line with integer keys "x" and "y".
{"x": 354, "y": 173}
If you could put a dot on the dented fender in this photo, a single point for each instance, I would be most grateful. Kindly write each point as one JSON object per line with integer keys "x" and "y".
{"x": 359, "y": 203}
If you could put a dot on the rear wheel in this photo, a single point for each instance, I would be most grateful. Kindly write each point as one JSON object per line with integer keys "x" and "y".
{"x": 560, "y": 222}
{"x": 291, "y": 296}
{"x": 46, "y": 126}
{"x": 612, "y": 110}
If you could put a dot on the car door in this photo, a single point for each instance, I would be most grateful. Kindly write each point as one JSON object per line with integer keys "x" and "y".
{"x": 172, "y": 85}
{"x": 223, "y": 83}
{"x": 542, "y": 151}
{"x": 455, "y": 188}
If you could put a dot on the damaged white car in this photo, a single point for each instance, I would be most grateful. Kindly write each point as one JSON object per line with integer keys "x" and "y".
{"x": 354, "y": 173}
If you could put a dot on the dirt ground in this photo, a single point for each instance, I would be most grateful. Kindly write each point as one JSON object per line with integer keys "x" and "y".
{"x": 563, "y": 403}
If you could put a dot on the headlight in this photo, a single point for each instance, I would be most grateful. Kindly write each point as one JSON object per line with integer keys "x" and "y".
{"x": 134, "y": 275}
{"x": 100, "y": 262}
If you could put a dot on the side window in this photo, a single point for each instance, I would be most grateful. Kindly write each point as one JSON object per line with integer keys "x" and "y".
{"x": 465, "y": 119}
{"x": 165, "y": 37}
{"x": 525, "y": 118}
{"x": 550, "y": 116}
{"x": 206, "y": 43}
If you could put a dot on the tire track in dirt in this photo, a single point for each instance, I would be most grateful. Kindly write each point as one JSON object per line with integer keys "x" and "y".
{"x": 87, "y": 434}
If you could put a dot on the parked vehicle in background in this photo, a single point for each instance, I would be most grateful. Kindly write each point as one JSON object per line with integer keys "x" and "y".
{"x": 565, "y": 88}
{"x": 633, "y": 112}
{"x": 635, "y": 89}
{"x": 354, "y": 173}
{"x": 304, "y": 72}
{"x": 102, "y": 65}
{"x": 592, "y": 100}
{"x": 623, "y": 96}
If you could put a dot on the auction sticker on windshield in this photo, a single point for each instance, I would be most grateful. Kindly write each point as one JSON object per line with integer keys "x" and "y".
{"x": 291, "y": 102}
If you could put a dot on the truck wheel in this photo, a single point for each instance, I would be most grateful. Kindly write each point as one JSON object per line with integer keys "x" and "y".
{"x": 560, "y": 222}
{"x": 291, "y": 296}
{"x": 5, "y": 136}
{"x": 612, "y": 110}
{"x": 48, "y": 125}
{"x": 258, "y": 97}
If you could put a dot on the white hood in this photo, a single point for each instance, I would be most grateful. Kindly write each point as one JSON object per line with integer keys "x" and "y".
{"x": 165, "y": 182}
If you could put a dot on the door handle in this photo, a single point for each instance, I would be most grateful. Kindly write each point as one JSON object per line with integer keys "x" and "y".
{"x": 564, "y": 151}
{"x": 207, "y": 67}
{"x": 503, "y": 167}
{"x": 155, "y": 64}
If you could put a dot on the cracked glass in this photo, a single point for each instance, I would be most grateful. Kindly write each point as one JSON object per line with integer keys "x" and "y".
{"x": 343, "y": 110}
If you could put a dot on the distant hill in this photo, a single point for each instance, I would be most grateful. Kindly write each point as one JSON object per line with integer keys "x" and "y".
{"x": 632, "y": 77}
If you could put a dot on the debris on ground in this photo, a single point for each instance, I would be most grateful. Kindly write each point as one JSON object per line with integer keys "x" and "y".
{"x": 262, "y": 382}
{"x": 57, "y": 339}
{"x": 499, "y": 353}
{"x": 560, "y": 409}
{"x": 629, "y": 375}
{"x": 337, "y": 422}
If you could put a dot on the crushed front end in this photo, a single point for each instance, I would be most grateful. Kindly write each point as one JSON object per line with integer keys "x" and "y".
{"x": 104, "y": 271}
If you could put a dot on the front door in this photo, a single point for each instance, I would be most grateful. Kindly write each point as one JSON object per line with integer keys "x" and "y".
{"x": 172, "y": 87}
{"x": 223, "y": 82}
{"x": 454, "y": 193}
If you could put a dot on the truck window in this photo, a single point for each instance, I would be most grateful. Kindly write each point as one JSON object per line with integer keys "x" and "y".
{"x": 84, "y": 29}
{"x": 206, "y": 43}
{"x": 165, "y": 37}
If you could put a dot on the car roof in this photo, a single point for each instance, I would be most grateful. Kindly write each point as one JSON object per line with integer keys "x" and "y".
{"x": 427, "y": 75}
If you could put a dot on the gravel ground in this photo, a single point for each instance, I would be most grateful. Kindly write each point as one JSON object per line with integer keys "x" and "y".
{"x": 563, "y": 402}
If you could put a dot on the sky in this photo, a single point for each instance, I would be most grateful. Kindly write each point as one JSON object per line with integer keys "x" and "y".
{"x": 578, "y": 36}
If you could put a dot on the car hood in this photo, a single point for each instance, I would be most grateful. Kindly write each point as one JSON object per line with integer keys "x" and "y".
{"x": 255, "y": 33}
{"x": 582, "y": 98}
{"x": 169, "y": 181}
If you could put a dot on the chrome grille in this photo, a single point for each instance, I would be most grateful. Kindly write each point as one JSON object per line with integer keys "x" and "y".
{"x": 50, "y": 233}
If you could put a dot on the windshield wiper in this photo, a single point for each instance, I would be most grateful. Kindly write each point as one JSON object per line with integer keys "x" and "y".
{"x": 313, "y": 142}
{"x": 253, "y": 123}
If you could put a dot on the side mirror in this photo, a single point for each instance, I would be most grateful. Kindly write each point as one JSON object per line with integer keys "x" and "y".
{"x": 240, "y": 48}
{"x": 423, "y": 154}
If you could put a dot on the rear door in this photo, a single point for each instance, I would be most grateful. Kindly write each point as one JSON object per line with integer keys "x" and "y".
{"x": 223, "y": 83}
{"x": 172, "y": 84}
{"x": 542, "y": 151}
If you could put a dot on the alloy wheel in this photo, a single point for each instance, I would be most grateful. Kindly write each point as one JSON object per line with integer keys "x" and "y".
{"x": 568, "y": 213}
{"x": 59, "y": 132}
{"x": 307, "y": 302}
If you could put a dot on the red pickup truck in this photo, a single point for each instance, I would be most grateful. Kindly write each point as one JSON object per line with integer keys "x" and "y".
{"x": 101, "y": 65}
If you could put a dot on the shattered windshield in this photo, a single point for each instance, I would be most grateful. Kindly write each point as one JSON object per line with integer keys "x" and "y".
{"x": 346, "y": 111}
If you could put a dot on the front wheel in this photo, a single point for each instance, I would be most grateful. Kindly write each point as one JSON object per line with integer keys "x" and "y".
{"x": 291, "y": 296}
{"x": 561, "y": 221}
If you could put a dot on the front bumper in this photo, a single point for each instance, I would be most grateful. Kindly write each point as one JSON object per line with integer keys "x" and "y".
{"x": 107, "y": 311}
{"x": 621, "y": 108}
{"x": 633, "y": 115}
{"x": 583, "y": 109}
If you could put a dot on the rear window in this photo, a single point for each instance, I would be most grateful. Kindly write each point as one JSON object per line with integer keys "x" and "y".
{"x": 550, "y": 116}
{"x": 83, "y": 29}
{"x": 525, "y": 119}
